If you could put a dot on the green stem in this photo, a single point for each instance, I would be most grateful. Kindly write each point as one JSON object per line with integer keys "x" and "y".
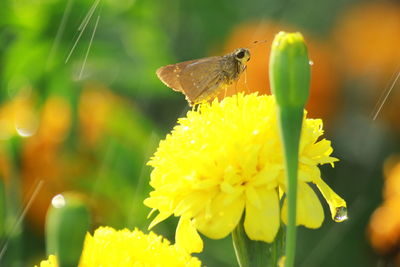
{"x": 291, "y": 122}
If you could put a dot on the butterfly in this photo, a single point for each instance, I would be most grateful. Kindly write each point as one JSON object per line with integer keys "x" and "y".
{"x": 202, "y": 79}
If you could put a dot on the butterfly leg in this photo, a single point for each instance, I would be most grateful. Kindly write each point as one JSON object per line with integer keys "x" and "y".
{"x": 245, "y": 80}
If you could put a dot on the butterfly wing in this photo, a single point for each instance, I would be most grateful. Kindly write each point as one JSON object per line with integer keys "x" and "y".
{"x": 197, "y": 79}
{"x": 201, "y": 78}
{"x": 170, "y": 74}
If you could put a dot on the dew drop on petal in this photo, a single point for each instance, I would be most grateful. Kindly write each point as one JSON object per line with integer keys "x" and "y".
{"x": 58, "y": 201}
{"x": 341, "y": 214}
{"x": 192, "y": 141}
{"x": 311, "y": 62}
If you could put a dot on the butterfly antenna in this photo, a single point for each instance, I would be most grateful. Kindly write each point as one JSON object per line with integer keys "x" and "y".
{"x": 258, "y": 42}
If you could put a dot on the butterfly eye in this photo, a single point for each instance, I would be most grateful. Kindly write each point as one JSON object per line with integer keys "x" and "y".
{"x": 240, "y": 54}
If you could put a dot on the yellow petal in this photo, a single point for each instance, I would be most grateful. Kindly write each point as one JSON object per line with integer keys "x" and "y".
{"x": 221, "y": 217}
{"x": 249, "y": 160}
{"x": 187, "y": 236}
{"x": 309, "y": 209}
{"x": 336, "y": 204}
{"x": 192, "y": 204}
{"x": 262, "y": 223}
{"x": 159, "y": 218}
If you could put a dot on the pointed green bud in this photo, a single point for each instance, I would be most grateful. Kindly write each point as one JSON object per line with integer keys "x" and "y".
{"x": 67, "y": 221}
{"x": 289, "y": 70}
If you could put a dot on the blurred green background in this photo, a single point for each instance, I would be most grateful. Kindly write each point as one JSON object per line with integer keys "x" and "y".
{"x": 82, "y": 110}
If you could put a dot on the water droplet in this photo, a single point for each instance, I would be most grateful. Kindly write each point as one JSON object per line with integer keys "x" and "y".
{"x": 255, "y": 132}
{"x": 26, "y": 124}
{"x": 25, "y": 132}
{"x": 185, "y": 128}
{"x": 311, "y": 62}
{"x": 58, "y": 201}
{"x": 341, "y": 214}
{"x": 193, "y": 141}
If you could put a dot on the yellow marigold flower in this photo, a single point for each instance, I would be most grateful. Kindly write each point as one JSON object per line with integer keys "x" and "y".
{"x": 225, "y": 159}
{"x": 109, "y": 247}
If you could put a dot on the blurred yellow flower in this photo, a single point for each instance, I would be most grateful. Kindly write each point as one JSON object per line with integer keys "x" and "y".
{"x": 109, "y": 247}
{"x": 50, "y": 262}
{"x": 225, "y": 160}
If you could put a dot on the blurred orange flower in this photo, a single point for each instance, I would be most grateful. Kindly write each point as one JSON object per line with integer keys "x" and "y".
{"x": 324, "y": 95}
{"x": 41, "y": 159}
{"x": 384, "y": 227}
{"x": 95, "y": 105}
{"x": 367, "y": 40}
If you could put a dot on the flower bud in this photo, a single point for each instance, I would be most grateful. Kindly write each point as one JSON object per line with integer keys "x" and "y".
{"x": 289, "y": 70}
{"x": 67, "y": 222}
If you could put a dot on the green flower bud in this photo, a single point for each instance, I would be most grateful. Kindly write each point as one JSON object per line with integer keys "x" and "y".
{"x": 67, "y": 222}
{"x": 289, "y": 70}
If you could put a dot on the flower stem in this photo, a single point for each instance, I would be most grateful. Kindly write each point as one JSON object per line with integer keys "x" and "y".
{"x": 291, "y": 122}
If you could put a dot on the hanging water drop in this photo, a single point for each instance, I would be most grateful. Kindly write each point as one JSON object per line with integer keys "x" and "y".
{"x": 311, "y": 63}
{"x": 341, "y": 214}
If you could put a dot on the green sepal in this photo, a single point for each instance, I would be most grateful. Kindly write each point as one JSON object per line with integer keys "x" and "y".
{"x": 251, "y": 253}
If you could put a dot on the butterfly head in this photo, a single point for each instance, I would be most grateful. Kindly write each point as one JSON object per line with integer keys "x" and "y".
{"x": 242, "y": 55}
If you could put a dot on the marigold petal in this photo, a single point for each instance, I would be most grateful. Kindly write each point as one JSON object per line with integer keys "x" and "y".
{"x": 309, "y": 209}
{"x": 221, "y": 217}
{"x": 262, "y": 223}
{"x": 335, "y": 202}
{"x": 187, "y": 236}
{"x": 193, "y": 203}
{"x": 159, "y": 218}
